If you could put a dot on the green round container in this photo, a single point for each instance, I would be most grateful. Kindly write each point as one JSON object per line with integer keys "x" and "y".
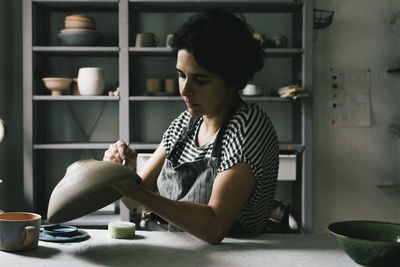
{"x": 369, "y": 243}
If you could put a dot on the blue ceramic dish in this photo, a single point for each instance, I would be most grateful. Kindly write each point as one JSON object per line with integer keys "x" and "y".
{"x": 60, "y": 230}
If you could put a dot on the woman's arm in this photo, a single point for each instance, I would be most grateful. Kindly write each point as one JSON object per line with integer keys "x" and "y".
{"x": 118, "y": 152}
{"x": 211, "y": 222}
{"x": 150, "y": 171}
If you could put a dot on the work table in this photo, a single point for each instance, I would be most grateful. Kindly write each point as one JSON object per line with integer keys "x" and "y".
{"x": 181, "y": 249}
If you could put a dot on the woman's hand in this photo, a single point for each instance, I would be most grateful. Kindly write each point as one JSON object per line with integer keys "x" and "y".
{"x": 118, "y": 152}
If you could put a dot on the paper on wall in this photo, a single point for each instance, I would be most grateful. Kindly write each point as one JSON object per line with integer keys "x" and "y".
{"x": 349, "y": 99}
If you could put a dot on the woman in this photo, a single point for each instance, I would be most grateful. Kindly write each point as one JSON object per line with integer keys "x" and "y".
{"x": 215, "y": 169}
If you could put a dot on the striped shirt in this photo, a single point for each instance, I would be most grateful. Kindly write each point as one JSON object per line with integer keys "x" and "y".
{"x": 249, "y": 137}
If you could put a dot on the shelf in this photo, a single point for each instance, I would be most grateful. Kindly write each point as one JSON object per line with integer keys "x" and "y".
{"x": 178, "y": 98}
{"x": 265, "y": 99}
{"x": 166, "y": 51}
{"x": 397, "y": 70}
{"x": 291, "y": 147}
{"x": 155, "y": 98}
{"x": 77, "y": 50}
{"x": 190, "y": 6}
{"x": 283, "y": 52}
{"x": 284, "y": 147}
{"x": 78, "y": 5}
{"x": 152, "y": 51}
{"x": 75, "y": 98}
{"x": 72, "y": 146}
{"x": 390, "y": 187}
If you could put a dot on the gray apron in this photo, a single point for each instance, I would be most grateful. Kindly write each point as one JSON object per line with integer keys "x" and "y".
{"x": 191, "y": 181}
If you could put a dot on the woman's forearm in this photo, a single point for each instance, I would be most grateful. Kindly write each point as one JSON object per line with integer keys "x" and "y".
{"x": 197, "y": 219}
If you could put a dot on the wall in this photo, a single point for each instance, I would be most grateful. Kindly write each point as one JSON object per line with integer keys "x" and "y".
{"x": 11, "y": 191}
{"x": 349, "y": 162}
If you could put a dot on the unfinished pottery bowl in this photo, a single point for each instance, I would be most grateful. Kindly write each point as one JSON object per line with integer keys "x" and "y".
{"x": 369, "y": 243}
{"x": 85, "y": 188}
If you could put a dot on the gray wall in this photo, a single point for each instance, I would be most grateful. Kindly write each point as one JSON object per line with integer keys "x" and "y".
{"x": 348, "y": 163}
{"x": 11, "y": 191}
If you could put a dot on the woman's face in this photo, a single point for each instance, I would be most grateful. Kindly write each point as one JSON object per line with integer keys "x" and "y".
{"x": 204, "y": 93}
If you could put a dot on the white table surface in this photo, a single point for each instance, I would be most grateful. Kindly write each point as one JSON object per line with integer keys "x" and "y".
{"x": 181, "y": 249}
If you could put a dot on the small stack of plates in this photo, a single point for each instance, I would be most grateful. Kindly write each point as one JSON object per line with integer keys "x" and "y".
{"x": 80, "y": 30}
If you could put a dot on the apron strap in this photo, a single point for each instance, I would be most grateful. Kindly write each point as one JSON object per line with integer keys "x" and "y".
{"x": 184, "y": 135}
{"x": 218, "y": 140}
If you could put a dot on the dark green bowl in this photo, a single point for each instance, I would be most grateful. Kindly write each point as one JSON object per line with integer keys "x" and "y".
{"x": 369, "y": 243}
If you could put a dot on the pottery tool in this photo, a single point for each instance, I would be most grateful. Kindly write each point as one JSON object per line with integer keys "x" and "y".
{"x": 2, "y": 130}
{"x": 126, "y": 151}
{"x": 121, "y": 230}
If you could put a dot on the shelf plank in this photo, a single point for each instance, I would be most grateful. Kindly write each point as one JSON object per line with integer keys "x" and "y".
{"x": 283, "y": 52}
{"x": 166, "y": 51}
{"x": 152, "y": 51}
{"x": 77, "y": 50}
{"x": 390, "y": 187}
{"x": 197, "y": 6}
{"x": 178, "y": 98}
{"x": 71, "y": 146}
{"x": 78, "y": 5}
{"x": 75, "y": 98}
{"x": 147, "y": 146}
{"x": 155, "y": 98}
{"x": 397, "y": 70}
{"x": 287, "y": 147}
{"x": 291, "y": 147}
{"x": 265, "y": 99}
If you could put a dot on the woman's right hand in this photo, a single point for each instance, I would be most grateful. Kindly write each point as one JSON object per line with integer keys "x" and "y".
{"x": 118, "y": 152}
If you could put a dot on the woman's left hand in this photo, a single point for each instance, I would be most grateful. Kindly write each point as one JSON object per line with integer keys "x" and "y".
{"x": 118, "y": 152}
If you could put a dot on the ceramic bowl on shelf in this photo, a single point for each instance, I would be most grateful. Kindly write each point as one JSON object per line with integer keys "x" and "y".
{"x": 56, "y": 84}
{"x": 369, "y": 243}
{"x": 80, "y": 38}
{"x": 79, "y": 20}
{"x": 74, "y": 30}
{"x": 252, "y": 89}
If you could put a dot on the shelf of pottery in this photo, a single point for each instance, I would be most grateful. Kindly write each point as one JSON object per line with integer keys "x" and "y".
{"x": 99, "y": 71}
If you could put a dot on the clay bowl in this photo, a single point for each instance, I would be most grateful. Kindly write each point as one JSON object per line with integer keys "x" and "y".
{"x": 85, "y": 188}
{"x": 56, "y": 84}
{"x": 78, "y": 20}
{"x": 369, "y": 243}
{"x": 80, "y": 38}
{"x": 69, "y": 30}
{"x": 79, "y": 17}
{"x": 79, "y": 24}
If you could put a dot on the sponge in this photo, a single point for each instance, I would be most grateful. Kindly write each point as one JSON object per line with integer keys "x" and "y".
{"x": 121, "y": 230}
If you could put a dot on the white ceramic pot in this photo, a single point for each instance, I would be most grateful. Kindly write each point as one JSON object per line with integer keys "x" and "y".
{"x": 90, "y": 87}
{"x": 91, "y": 81}
{"x": 91, "y": 73}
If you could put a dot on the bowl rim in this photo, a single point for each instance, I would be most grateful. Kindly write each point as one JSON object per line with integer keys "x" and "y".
{"x": 363, "y": 239}
{"x": 80, "y": 33}
{"x": 56, "y": 78}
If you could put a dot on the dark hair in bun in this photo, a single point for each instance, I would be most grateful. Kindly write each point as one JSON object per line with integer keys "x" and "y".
{"x": 223, "y": 44}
